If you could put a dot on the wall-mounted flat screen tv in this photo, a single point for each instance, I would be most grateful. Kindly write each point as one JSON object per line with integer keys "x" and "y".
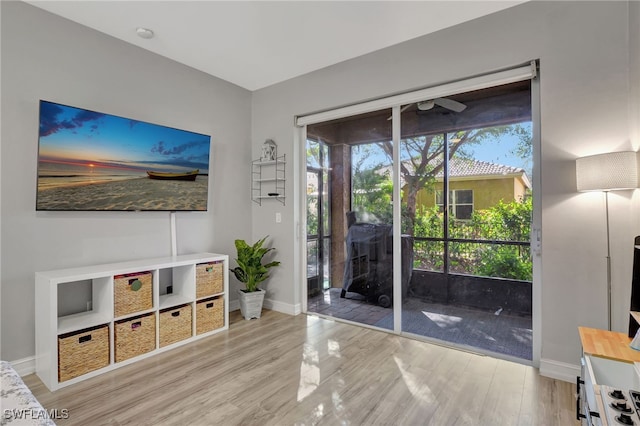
{"x": 90, "y": 160}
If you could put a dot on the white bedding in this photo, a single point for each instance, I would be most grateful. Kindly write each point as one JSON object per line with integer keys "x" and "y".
{"x": 18, "y": 406}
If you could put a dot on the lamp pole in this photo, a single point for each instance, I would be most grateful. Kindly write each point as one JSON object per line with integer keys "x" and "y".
{"x": 606, "y": 205}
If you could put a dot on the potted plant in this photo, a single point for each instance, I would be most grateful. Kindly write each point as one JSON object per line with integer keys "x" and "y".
{"x": 252, "y": 271}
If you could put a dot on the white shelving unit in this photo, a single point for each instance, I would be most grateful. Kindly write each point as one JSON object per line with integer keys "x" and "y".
{"x": 267, "y": 179}
{"x": 173, "y": 285}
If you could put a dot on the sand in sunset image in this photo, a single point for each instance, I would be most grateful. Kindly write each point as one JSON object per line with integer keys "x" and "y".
{"x": 135, "y": 194}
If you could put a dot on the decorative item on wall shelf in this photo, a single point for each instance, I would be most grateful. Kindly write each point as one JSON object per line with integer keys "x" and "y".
{"x": 252, "y": 271}
{"x": 269, "y": 150}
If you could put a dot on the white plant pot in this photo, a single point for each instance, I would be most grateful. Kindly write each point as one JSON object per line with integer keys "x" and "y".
{"x": 251, "y": 303}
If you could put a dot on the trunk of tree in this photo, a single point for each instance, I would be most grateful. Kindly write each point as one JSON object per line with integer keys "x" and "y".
{"x": 412, "y": 195}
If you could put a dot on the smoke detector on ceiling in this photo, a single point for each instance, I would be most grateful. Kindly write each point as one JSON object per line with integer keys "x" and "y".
{"x": 144, "y": 32}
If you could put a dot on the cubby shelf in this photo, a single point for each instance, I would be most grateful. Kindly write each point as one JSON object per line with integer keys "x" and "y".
{"x": 81, "y": 321}
{"x": 174, "y": 284}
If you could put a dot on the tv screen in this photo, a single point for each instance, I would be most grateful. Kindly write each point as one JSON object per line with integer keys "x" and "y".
{"x": 90, "y": 160}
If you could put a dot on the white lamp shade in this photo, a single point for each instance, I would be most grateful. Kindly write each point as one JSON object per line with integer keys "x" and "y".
{"x": 607, "y": 172}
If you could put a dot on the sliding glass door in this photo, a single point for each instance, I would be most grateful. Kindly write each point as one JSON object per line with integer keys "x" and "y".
{"x": 429, "y": 214}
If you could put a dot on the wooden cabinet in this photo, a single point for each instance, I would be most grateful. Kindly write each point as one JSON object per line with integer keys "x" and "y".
{"x": 136, "y": 309}
{"x": 607, "y": 361}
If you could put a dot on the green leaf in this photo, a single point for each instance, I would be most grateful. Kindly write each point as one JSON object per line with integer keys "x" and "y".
{"x": 250, "y": 269}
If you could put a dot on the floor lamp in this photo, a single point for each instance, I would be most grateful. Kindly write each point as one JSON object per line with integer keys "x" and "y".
{"x": 607, "y": 172}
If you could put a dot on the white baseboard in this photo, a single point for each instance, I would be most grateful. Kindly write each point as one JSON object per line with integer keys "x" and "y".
{"x": 24, "y": 366}
{"x": 559, "y": 370}
{"x": 273, "y": 305}
{"x": 234, "y": 305}
{"x": 285, "y": 308}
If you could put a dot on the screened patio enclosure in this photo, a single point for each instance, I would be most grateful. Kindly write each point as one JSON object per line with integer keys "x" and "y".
{"x": 460, "y": 270}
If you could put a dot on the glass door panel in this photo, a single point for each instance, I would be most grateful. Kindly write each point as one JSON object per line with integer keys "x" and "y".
{"x": 360, "y": 217}
{"x": 318, "y": 219}
{"x": 314, "y": 253}
{"x": 466, "y": 207}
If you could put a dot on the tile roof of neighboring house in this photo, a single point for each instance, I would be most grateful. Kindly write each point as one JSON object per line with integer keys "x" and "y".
{"x": 469, "y": 168}
{"x": 459, "y": 167}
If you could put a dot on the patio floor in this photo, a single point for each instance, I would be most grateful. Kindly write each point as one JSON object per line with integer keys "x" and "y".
{"x": 463, "y": 327}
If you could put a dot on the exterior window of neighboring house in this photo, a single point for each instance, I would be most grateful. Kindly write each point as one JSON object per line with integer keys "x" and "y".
{"x": 460, "y": 203}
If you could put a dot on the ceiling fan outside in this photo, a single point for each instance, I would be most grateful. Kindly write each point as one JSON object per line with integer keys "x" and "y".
{"x": 443, "y": 102}
{"x": 429, "y": 104}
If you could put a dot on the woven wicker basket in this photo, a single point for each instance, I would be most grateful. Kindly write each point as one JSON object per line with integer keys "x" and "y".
{"x": 82, "y": 351}
{"x": 134, "y": 336}
{"x": 132, "y": 293}
{"x": 175, "y": 324}
{"x": 209, "y": 279}
{"x": 209, "y": 314}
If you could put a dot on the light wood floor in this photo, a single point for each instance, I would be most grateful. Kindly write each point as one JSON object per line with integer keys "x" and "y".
{"x": 303, "y": 370}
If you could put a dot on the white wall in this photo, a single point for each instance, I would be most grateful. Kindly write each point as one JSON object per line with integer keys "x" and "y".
{"x": 634, "y": 73}
{"x": 47, "y": 57}
{"x": 583, "y": 49}
{"x": 634, "y": 94}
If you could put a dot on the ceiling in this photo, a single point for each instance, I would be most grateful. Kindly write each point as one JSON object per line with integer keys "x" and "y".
{"x": 254, "y": 44}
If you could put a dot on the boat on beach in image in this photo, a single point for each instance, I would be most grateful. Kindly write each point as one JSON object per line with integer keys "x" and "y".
{"x": 191, "y": 175}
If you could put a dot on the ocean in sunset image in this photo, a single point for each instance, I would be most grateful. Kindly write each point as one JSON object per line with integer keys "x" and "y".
{"x": 95, "y": 161}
